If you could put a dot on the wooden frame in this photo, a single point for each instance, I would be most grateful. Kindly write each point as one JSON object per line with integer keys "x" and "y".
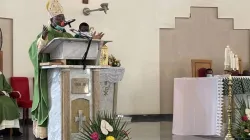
{"x": 65, "y": 84}
{"x": 199, "y": 63}
{"x": 96, "y": 88}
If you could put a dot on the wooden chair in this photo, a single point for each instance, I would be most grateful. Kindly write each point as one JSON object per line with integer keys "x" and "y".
{"x": 198, "y": 64}
{"x": 21, "y": 84}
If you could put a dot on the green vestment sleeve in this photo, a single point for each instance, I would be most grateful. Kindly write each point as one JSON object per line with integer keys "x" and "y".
{"x": 77, "y": 36}
{"x": 40, "y": 107}
{"x": 4, "y": 85}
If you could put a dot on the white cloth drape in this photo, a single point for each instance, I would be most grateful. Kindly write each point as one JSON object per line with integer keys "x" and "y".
{"x": 197, "y": 106}
{"x": 9, "y": 124}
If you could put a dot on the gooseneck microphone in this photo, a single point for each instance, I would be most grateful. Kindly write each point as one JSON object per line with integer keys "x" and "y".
{"x": 65, "y": 23}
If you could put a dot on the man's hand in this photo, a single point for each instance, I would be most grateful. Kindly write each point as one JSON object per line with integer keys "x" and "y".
{"x": 98, "y": 36}
{"x": 45, "y": 32}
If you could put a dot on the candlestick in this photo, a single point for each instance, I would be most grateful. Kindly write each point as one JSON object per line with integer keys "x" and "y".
{"x": 229, "y": 135}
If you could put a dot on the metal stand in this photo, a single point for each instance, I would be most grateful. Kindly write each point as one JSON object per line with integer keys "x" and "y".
{"x": 229, "y": 135}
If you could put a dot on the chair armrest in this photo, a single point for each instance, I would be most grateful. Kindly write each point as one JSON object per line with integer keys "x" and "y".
{"x": 15, "y": 94}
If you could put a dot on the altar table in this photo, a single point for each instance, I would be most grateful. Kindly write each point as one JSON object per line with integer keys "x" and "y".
{"x": 197, "y": 106}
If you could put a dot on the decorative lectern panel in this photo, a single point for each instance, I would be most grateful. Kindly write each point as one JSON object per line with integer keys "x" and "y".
{"x": 107, "y": 96}
{"x": 80, "y": 85}
{"x": 80, "y": 114}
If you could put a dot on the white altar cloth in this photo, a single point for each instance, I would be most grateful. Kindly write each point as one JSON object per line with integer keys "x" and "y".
{"x": 197, "y": 106}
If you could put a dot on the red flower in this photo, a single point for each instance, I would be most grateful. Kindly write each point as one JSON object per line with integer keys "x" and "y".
{"x": 94, "y": 136}
{"x": 244, "y": 118}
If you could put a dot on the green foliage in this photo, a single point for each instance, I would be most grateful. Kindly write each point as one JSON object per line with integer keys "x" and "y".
{"x": 120, "y": 132}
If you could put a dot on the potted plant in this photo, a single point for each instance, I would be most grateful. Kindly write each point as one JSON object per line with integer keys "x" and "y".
{"x": 105, "y": 127}
{"x": 242, "y": 119}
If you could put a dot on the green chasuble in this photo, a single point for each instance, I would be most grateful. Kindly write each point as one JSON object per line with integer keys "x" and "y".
{"x": 40, "y": 107}
{"x": 8, "y": 107}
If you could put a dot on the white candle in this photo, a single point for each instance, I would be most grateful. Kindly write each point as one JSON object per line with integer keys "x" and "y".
{"x": 231, "y": 60}
{"x": 234, "y": 64}
{"x": 227, "y": 56}
{"x": 237, "y": 62}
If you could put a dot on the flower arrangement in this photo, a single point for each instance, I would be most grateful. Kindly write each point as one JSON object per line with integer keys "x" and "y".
{"x": 105, "y": 127}
{"x": 242, "y": 118}
{"x": 114, "y": 62}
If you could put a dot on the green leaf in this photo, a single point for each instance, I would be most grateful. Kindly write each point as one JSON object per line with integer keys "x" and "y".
{"x": 119, "y": 129}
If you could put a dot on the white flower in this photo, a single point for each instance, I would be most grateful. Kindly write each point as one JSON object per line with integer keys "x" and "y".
{"x": 1, "y": 73}
{"x": 247, "y": 112}
{"x": 106, "y": 127}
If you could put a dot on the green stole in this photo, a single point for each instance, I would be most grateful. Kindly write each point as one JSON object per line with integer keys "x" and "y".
{"x": 40, "y": 107}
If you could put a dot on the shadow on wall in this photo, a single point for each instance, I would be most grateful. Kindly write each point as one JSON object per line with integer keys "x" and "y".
{"x": 203, "y": 36}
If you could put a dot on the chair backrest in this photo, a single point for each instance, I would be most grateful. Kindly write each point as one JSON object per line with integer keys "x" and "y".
{"x": 197, "y": 64}
{"x": 21, "y": 84}
{"x": 202, "y": 72}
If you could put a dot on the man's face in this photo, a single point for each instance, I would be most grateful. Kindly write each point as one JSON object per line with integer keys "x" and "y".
{"x": 58, "y": 19}
{"x": 84, "y": 28}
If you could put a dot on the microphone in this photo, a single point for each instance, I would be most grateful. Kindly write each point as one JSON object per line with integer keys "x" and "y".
{"x": 82, "y": 34}
{"x": 64, "y": 23}
{"x": 85, "y": 34}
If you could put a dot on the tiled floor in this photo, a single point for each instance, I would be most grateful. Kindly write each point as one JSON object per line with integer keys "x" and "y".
{"x": 139, "y": 131}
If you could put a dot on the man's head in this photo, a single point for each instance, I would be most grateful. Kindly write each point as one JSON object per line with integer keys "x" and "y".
{"x": 57, "y": 20}
{"x": 246, "y": 73}
{"x": 84, "y": 27}
{"x": 209, "y": 71}
{"x": 55, "y": 11}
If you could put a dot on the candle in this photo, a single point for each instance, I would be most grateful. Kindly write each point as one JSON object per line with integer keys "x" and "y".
{"x": 237, "y": 62}
{"x": 227, "y": 56}
{"x": 234, "y": 64}
{"x": 231, "y": 60}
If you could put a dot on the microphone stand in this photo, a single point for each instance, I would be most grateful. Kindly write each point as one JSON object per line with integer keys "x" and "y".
{"x": 69, "y": 22}
{"x": 87, "y": 51}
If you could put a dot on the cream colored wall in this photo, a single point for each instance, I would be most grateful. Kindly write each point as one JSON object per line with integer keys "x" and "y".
{"x": 134, "y": 28}
{"x": 7, "y": 29}
{"x": 203, "y": 36}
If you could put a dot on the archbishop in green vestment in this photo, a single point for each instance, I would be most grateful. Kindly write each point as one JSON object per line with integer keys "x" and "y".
{"x": 40, "y": 107}
{"x": 8, "y": 108}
